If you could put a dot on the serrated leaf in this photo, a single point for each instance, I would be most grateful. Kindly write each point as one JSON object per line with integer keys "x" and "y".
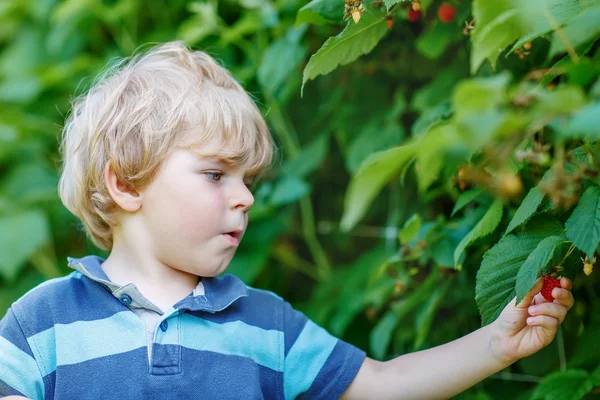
{"x": 526, "y": 209}
{"x": 390, "y": 3}
{"x": 583, "y": 226}
{"x": 495, "y": 283}
{"x": 464, "y": 199}
{"x": 485, "y": 226}
{"x": 320, "y": 12}
{"x": 535, "y": 262}
{"x": 377, "y": 170}
{"x": 572, "y": 384}
{"x": 354, "y": 41}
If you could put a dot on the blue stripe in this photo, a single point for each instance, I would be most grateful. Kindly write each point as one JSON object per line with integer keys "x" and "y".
{"x": 306, "y": 358}
{"x": 66, "y": 344}
{"x": 337, "y": 374}
{"x": 19, "y": 371}
{"x": 265, "y": 347}
{"x": 244, "y": 309}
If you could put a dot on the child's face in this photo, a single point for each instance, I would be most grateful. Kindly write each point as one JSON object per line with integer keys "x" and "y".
{"x": 190, "y": 206}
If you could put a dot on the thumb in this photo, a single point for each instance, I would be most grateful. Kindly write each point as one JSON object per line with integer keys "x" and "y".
{"x": 536, "y": 288}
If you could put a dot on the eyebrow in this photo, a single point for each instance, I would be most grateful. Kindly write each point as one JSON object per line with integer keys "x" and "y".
{"x": 213, "y": 158}
{"x": 251, "y": 173}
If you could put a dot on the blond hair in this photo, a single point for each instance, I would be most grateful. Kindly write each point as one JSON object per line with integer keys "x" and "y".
{"x": 136, "y": 113}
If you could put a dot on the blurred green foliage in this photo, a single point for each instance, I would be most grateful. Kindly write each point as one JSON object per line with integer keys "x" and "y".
{"x": 429, "y": 171}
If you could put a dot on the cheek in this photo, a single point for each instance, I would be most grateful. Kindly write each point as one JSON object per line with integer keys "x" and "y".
{"x": 199, "y": 207}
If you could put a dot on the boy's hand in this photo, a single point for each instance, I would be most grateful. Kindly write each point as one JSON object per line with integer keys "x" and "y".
{"x": 524, "y": 329}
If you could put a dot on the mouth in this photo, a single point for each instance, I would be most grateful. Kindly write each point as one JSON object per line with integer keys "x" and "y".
{"x": 233, "y": 237}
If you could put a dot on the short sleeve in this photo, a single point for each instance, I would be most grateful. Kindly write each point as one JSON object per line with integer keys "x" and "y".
{"x": 317, "y": 365}
{"x": 19, "y": 372}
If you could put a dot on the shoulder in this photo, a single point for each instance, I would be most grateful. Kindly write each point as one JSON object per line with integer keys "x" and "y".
{"x": 48, "y": 292}
{"x": 60, "y": 300}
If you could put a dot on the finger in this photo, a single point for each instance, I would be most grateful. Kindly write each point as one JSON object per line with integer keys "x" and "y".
{"x": 557, "y": 311}
{"x": 526, "y": 301}
{"x": 539, "y": 299}
{"x": 564, "y": 297}
{"x": 549, "y": 323}
{"x": 566, "y": 283}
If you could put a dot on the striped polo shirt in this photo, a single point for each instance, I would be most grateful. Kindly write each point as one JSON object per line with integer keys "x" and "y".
{"x": 83, "y": 337}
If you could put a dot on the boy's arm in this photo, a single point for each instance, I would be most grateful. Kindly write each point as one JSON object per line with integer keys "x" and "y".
{"x": 444, "y": 371}
{"x": 437, "y": 373}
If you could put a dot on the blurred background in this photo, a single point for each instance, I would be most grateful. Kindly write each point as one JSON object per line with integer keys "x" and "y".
{"x": 379, "y": 258}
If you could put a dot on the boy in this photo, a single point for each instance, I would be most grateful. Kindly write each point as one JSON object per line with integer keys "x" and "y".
{"x": 157, "y": 159}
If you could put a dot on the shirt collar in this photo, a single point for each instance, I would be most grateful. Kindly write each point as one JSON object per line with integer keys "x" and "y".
{"x": 219, "y": 292}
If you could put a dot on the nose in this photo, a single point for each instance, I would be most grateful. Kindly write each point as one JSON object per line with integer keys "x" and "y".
{"x": 242, "y": 197}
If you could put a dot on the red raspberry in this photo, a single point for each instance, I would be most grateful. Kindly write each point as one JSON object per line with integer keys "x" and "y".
{"x": 446, "y": 13}
{"x": 413, "y": 15}
{"x": 549, "y": 284}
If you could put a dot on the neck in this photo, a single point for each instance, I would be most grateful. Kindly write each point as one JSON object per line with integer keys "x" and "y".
{"x": 160, "y": 283}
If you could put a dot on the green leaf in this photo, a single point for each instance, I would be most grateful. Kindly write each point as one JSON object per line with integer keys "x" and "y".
{"x": 434, "y": 42}
{"x": 432, "y": 151}
{"x": 431, "y": 117}
{"x": 309, "y": 159}
{"x": 377, "y": 135}
{"x": 495, "y": 282}
{"x": 489, "y": 40}
{"x": 320, "y": 12}
{"x": 426, "y": 314}
{"x": 537, "y": 261}
{"x": 282, "y": 59}
{"x": 21, "y": 236}
{"x": 381, "y": 334}
{"x": 377, "y": 170}
{"x": 572, "y": 384}
{"x": 354, "y": 41}
{"x": 464, "y": 199}
{"x": 390, "y": 3}
{"x": 476, "y": 95}
{"x": 288, "y": 190}
{"x": 584, "y": 123}
{"x": 579, "y": 30}
{"x": 410, "y": 229}
{"x": 485, "y": 226}
{"x": 526, "y": 209}
{"x": 583, "y": 226}
{"x": 562, "y": 100}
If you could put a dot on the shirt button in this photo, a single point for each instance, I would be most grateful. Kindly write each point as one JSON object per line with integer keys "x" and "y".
{"x": 125, "y": 299}
{"x": 164, "y": 325}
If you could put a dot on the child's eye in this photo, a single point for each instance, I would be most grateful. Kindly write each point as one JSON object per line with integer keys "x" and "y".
{"x": 215, "y": 176}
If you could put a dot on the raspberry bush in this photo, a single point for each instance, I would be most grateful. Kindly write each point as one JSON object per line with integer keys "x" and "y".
{"x": 436, "y": 158}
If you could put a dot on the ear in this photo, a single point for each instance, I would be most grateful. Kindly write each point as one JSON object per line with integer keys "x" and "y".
{"x": 128, "y": 199}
